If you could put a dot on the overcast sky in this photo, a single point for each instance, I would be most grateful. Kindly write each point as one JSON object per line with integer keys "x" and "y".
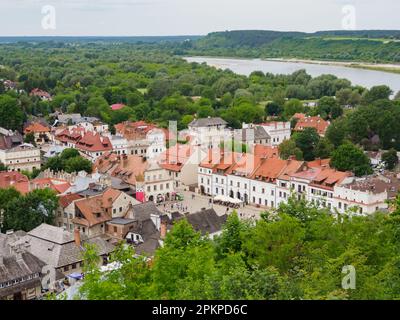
{"x": 191, "y": 17}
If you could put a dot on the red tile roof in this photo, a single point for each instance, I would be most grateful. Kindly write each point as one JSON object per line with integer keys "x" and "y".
{"x": 93, "y": 142}
{"x": 66, "y": 200}
{"x": 40, "y": 93}
{"x": 58, "y": 185}
{"x": 117, "y": 106}
{"x": 176, "y": 157}
{"x": 96, "y": 209}
{"x": 317, "y": 123}
{"x": 14, "y": 179}
{"x": 36, "y": 127}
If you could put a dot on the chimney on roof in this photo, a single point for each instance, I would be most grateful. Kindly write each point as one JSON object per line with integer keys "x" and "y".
{"x": 163, "y": 230}
{"x": 77, "y": 237}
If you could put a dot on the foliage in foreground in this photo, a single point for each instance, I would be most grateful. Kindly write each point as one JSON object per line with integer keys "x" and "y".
{"x": 296, "y": 253}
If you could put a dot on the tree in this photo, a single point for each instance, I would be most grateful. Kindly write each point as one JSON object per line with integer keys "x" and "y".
{"x": 273, "y": 109}
{"x": 30, "y": 138}
{"x": 11, "y": 115}
{"x": 70, "y": 161}
{"x": 29, "y": 211}
{"x": 324, "y": 149}
{"x": 390, "y": 159}
{"x": 69, "y": 153}
{"x": 77, "y": 164}
{"x": 307, "y": 141}
{"x": 337, "y": 132}
{"x": 328, "y": 107}
{"x": 231, "y": 239}
{"x": 377, "y": 93}
{"x": 348, "y": 157}
{"x": 291, "y": 107}
{"x": 288, "y": 148}
{"x": 3, "y": 167}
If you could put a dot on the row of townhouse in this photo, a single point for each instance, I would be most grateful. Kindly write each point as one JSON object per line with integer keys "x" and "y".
{"x": 148, "y": 179}
{"x": 263, "y": 181}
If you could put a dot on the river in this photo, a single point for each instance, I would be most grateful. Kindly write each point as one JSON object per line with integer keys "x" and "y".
{"x": 362, "y": 77}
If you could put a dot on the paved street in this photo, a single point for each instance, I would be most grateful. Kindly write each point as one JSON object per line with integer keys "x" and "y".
{"x": 200, "y": 202}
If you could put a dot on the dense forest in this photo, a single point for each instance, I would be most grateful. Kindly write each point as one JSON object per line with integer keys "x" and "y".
{"x": 364, "y": 46}
{"x": 299, "y": 252}
{"x": 158, "y": 86}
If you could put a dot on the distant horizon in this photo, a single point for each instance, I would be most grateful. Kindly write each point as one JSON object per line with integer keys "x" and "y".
{"x": 187, "y": 35}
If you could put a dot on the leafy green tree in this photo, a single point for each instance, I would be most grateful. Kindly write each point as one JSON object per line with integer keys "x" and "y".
{"x": 291, "y": 107}
{"x": 324, "y": 149}
{"x": 69, "y": 153}
{"x": 377, "y": 93}
{"x": 30, "y": 138}
{"x": 29, "y": 211}
{"x": 273, "y": 109}
{"x": 3, "y": 167}
{"x": 231, "y": 239}
{"x": 337, "y": 132}
{"x": 348, "y": 157}
{"x": 307, "y": 141}
{"x": 390, "y": 159}
{"x": 78, "y": 164}
{"x": 11, "y": 115}
{"x": 288, "y": 148}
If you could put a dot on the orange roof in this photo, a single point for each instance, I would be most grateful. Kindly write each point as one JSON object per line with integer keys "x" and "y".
{"x": 299, "y": 116}
{"x": 329, "y": 177}
{"x": 317, "y": 123}
{"x": 176, "y": 157}
{"x": 245, "y": 164}
{"x": 274, "y": 168}
{"x": 36, "y": 127}
{"x": 66, "y": 200}
{"x": 92, "y": 141}
{"x": 58, "y": 185}
{"x": 269, "y": 169}
{"x": 14, "y": 179}
{"x": 319, "y": 163}
{"x": 129, "y": 168}
{"x": 266, "y": 151}
{"x": 96, "y": 209}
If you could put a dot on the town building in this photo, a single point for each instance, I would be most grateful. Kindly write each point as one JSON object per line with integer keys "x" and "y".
{"x": 181, "y": 162}
{"x": 61, "y": 249}
{"x": 43, "y": 95}
{"x": 91, "y": 144}
{"x": 367, "y": 195}
{"x": 149, "y": 180}
{"x": 20, "y": 272}
{"x": 252, "y": 134}
{"x": 278, "y": 132}
{"x": 90, "y": 214}
{"x": 319, "y": 124}
{"x": 144, "y": 139}
{"x": 24, "y": 157}
{"x": 10, "y": 139}
{"x": 40, "y": 132}
{"x": 209, "y": 132}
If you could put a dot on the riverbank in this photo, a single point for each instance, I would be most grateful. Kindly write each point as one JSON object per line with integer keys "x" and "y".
{"x": 391, "y": 68}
